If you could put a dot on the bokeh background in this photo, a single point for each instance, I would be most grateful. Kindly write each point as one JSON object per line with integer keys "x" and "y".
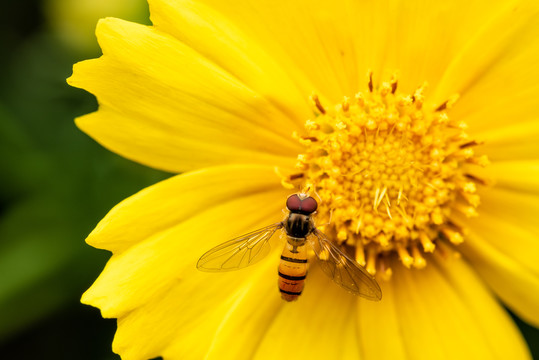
{"x": 56, "y": 183}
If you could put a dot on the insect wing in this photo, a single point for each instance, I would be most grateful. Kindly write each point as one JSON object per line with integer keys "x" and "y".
{"x": 342, "y": 270}
{"x": 239, "y": 252}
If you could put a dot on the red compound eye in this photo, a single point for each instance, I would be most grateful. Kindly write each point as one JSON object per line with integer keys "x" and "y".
{"x": 293, "y": 203}
{"x": 306, "y": 205}
{"x": 309, "y": 205}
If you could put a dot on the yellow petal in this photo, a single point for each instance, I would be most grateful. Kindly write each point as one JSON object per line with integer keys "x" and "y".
{"x": 324, "y": 47}
{"x": 220, "y": 41}
{"x": 498, "y": 62}
{"x": 177, "y": 151}
{"x": 416, "y": 40}
{"x": 420, "y": 41}
{"x": 498, "y": 331}
{"x": 166, "y": 258}
{"x": 183, "y": 102}
{"x": 517, "y": 208}
{"x": 512, "y": 141}
{"x": 170, "y": 202}
{"x": 519, "y": 176}
{"x": 203, "y": 313}
{"x": 502, "y": 245}
{"x": 441, "y": 312}
{"x": 380, "y": 330}
{"x": 320, "y": 325}
{"x": 513, "y": 283}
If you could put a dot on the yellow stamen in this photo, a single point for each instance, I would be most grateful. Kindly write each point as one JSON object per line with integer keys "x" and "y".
{"x": 428, "y": 246}
{"x": 419, "y": 260}
{"x": 454, "y": 236}
{"x": 360, "y": 255}
{"x": 405, "y": 257}
{"x": 371, "y": 260}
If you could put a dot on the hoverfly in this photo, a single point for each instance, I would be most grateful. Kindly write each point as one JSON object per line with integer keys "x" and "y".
{"x": 300, "y": 230}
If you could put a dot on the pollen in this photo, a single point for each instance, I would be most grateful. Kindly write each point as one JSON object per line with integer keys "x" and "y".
{"x": 389, "y": 170}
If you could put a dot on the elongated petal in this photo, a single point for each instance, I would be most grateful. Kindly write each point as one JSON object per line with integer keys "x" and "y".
{"x": 318, "y": 52}
{"x": 508, "y": 221}
{"x": 441, "y": 312}
{"x": 162, "y": 148}
{"x": 183, "y": 102}
{"x": 156, "y": 263}
{"x": 320, "y": 325}
{"x": 420, "y": 42}
{"x": 416, "y": 40}
{"x": 511, "y": 142}
{"x": 502, "y": 245}
{"x": 379, "y": 323}
{"x": 158, "y": 228}
{"x": 194, "y": 322}
{"x": 170, "y": 202}
{"x": 220, "y": 40}
{"x": 516, "y": 208}
{"x": 498, "y": 62}
{"x": 509, "y": 279}
{"x": 519, "y": 176}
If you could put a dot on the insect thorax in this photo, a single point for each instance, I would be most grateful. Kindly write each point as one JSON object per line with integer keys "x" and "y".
{"x": 298, "y": 225}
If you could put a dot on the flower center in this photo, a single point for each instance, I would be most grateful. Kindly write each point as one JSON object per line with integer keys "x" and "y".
{"x": 388, "y": 172}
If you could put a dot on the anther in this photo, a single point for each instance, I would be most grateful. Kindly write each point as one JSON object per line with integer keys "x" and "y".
{"x": 296, "y": 176}
{"x": 419, "y": 260}
{"x": 453, "y": 236}
{"x": 404, "y": 256}
{"x": 478, "y": 160}
{"x": 311, "y": 125}
{"x": 466, "y": 186}
{"x": 466, "y": 153}
{"x": 448, "y": 103}
{"x": 346, "y": 104}
{"x": 360, "y": 254}
{"x": 383, "y": 240}
{"x": 360, "y": 100}
{"x": 317, "y": 103}
{"x": 371, "y": 260}
{"x": 371, "y": 86}
{"x": 442, "y": 106}
{"x": 466, "y": 209}
{"x": 478, "y": 180}
{"x": 393, "y": 84}
{"x": 428, "y": 245}
{"x": 471, "y": 143}
{"x": 472, "y": 199}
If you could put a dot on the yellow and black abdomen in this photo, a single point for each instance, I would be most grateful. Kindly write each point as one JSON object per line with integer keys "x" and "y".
{"x": 292, "y": 271}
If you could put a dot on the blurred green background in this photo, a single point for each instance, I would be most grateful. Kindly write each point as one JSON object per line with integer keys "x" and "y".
{"x": 56, "y": 183}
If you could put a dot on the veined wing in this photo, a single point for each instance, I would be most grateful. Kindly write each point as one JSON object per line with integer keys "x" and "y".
{"x": 343, "y": 270}
{"x": 239, "y": 252}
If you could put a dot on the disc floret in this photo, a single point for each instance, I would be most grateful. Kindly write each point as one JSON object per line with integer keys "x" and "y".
{"x": 389, "y": 171}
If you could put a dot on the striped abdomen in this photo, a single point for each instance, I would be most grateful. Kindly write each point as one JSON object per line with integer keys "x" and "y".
{"x": 292, "y": 271}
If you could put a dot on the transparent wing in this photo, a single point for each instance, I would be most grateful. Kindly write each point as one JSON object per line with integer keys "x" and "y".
{"x": 342, "y": 270}
{"x": 239, "y": 252}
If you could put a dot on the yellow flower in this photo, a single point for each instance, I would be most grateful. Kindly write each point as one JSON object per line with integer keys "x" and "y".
{"x": 388, "y": 111}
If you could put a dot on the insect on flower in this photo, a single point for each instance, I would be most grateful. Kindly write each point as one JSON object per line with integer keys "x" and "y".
{"x": 300, "y": 230}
